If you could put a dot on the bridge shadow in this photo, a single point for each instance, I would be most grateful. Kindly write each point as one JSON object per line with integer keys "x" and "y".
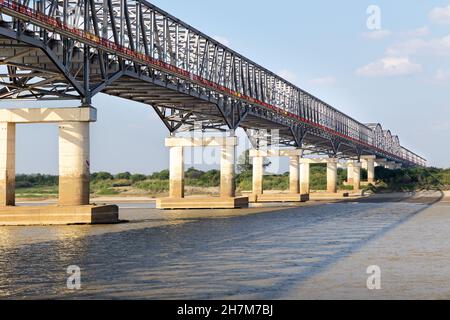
{"x": 410, "y": 197}
{"x": 332, "y": 259}
{"x": 253, "y": 256}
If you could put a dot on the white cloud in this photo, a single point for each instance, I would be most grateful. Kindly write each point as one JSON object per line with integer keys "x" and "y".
{"x": 407, "y": 47}
{"x": 323, "y": 81}
{"x": 442, "y": 76}
{"x": 436, "y": 46}
{"x": 384, "y": 33}
{"x": 377, "y": 34}
{"x": 288, "y": 75}
{"x": 389, "y": 66}
{"x": 222, "y": 40}
{"x": 440, "y": 15}
{"x": 416, "y": 33}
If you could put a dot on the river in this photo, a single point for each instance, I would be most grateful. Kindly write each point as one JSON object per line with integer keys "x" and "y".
{"x": 312, "y": 251}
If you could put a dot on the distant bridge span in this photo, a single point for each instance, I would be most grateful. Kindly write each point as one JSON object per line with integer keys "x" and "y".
{"x": 53, "y": 49}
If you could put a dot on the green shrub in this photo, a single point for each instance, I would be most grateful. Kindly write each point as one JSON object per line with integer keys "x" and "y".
{"x": 23, "y": 184}
{"x": 346, "y": 188}
{"x": 244, "y": 181}
{"x": 123, "y": 176}
{"x": 318, "y": 177}
{"x": 276, "y": 182}
{"x": 193, "y": 173}
{"x": 102, "y": 184}
{"x": 163, "y": 175}
{"x": 96, "y": 176}
{"x": 411, "y": 179}
{"x": 153, "y": 186}
{"x": 138, "y": 177}
{"x": 122, "y": 183}
{"x": 30, "y": 180}
{"x": 106, "y": 192}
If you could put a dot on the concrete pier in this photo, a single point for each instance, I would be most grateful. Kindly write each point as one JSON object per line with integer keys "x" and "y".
{"x": 390, "y": 165}
{"x": 380, "y": 162}
{"x": 74, "y": 163}
{"x": 331, "y": 192}
{"x": 7, "y": 163}
{"x": 350, "y": 172}
{"x": 332, "y": 175}
{"x": 356, "y": 176}
{"x": 258, "y": 173}
{"x": 227, "y": 199}
{"x": 294, "y": 174}
{"x": 176, "y": 180}
{"x": 294, "y": 194}
{"x": 73, "y": 206}
{"x": 304, "y": 177}
{"x": 368, "y": 163}
{"x": 227, "y": 168}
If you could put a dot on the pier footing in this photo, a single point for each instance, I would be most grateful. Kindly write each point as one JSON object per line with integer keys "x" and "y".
{"x": 58, "y": 215}
{"x": 202, "y": 203}
{"x": 277, "y": 197}
{"x": 329, "y": 195}
{"x": 336, "y": 196}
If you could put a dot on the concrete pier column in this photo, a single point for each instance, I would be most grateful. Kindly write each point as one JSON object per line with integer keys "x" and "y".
{"x": 258, "y": 173}
{"x": 294, "y": 174}
{"x": 390, "y": 165}
{"x": 380, "y": 163}
{"x": 350, "y": 172}
{"x": 370, "y": 170}
{"x": 7, "y": 163}
{"x": 74, "y": 173}
{"x": 227, "y": 199}
{"x": 227, "y": 165}
{"x": 176, "y": 184}
{"x": 74, "y": 163}
{"x": 357, "y": 176}
{"x": 332, "y": 175}
{"x": 304, "y": 178}
{"x": 294, "y": 195}
{"x": 364, "y": 164}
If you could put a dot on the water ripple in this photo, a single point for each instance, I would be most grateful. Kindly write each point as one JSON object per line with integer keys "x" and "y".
{"x": 252, "y": 256}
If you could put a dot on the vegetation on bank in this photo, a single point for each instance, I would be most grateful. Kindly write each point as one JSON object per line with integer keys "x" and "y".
{"x": 412, "y": 179}
{"x": 104, "y": 183}
{"x": 36, "y": 185}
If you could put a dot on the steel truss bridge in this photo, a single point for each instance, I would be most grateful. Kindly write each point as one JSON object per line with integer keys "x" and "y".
{"x": 67, "y": 49}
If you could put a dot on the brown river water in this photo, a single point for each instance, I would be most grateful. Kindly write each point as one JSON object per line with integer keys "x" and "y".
{"x": 312, "y": 251}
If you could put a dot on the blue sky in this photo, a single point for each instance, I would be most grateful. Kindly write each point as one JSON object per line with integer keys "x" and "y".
{"x": 398, "y": 76}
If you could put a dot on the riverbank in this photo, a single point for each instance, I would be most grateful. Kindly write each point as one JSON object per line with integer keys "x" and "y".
{"x": 415, "y": 196}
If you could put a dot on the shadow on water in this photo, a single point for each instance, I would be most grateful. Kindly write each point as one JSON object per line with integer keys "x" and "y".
{"x": 254, "y": 256}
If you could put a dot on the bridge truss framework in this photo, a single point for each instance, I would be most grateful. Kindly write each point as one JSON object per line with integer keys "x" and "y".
{"x": 53, "y": 49}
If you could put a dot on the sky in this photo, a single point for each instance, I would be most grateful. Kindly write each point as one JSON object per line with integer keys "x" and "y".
{"x": 394, "y": 70}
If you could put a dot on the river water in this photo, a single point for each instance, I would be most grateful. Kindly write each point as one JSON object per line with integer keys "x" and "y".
{"x": 226, "y": 254}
